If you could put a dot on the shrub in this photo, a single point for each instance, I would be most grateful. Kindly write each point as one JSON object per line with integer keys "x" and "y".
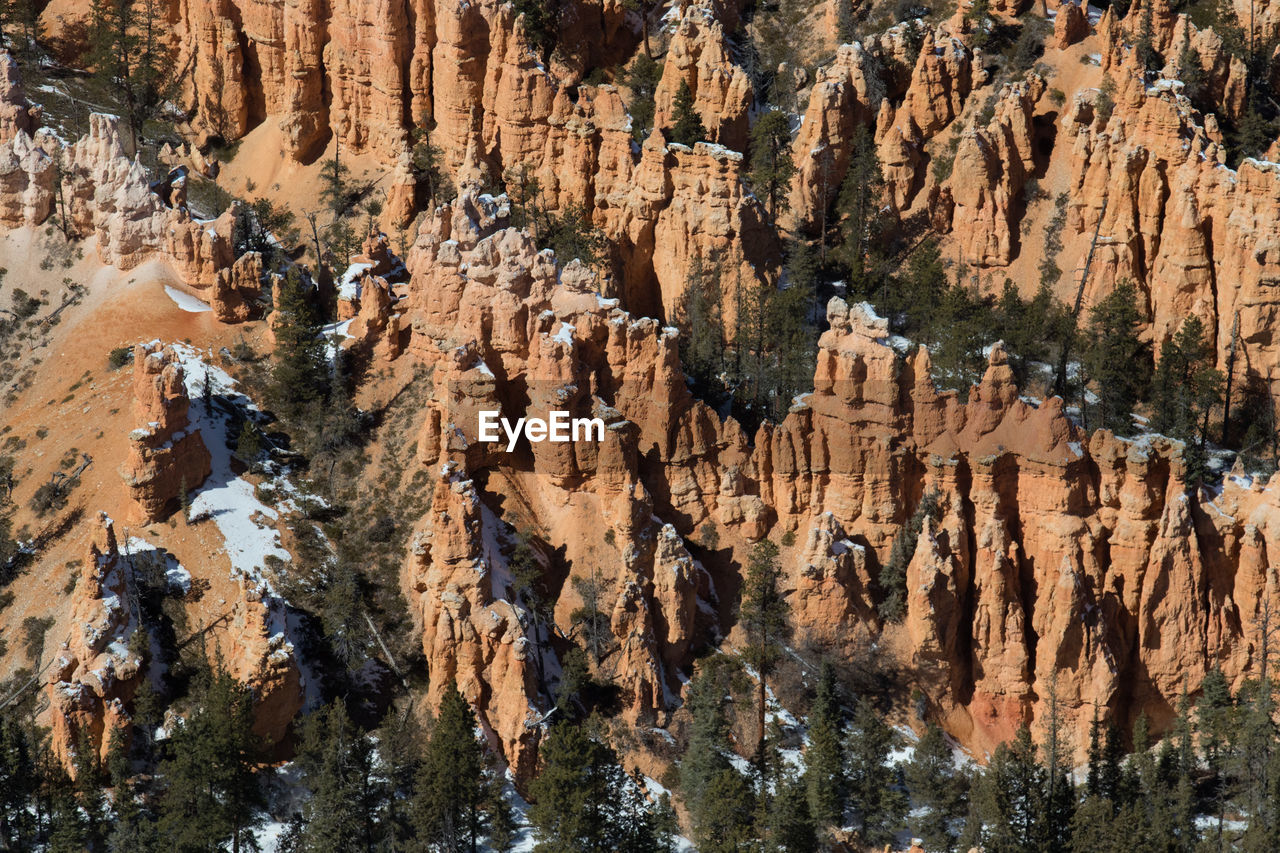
{"x": 119, "y": 357}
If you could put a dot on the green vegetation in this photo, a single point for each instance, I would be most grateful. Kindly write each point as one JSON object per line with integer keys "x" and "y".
{"x": 128, "y": 50}
{"x": 686, "y": 127}
{"x": 642, "y": 78}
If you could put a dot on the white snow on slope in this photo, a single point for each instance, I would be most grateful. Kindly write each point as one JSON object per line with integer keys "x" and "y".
{"x": 186, "y": 301}
{"x": 246, "y": 523}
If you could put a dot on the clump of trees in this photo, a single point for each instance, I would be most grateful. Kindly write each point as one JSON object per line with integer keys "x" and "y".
{"x": 128, "y": 50}
{"x": 570, "y": 232}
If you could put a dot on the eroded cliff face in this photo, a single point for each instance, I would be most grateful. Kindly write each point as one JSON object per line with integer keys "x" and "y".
{"x": 1056, "y": 561}
{"x": 1055, "y": 557}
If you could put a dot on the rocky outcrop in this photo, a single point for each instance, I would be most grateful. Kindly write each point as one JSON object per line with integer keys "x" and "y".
{"x": 236, "y": 291}
{"x": 698, "y": 55}
{"x": 1177, "y": 221}
{"x": 166, "y": 453}
{"x": 1050, "y": 558}
{"x": 1070, "y": 25}
{"x": 99, "y": 667}
{"x": 16, "y": 112}
{"x": 992, "y": 166}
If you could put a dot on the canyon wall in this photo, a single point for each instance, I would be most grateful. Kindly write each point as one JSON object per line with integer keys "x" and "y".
{"x": 1056, "y": 558}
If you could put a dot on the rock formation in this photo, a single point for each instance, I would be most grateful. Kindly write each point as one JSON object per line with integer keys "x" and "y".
{"x": 1054, "y": 557}
{"x": 166, "y": 453}
{"x": 99, "y": 666}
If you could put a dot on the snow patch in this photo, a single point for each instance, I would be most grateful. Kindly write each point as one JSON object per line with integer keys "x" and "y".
{"x": 186, "y": 301}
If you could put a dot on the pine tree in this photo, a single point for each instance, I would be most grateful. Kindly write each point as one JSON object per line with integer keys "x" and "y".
{"x": 1148, "y": 56}
{"x": 582, "y": 804}
{"x": 724, "y": 823}
{"x": 938, "y": 787}
{"x": 642, "y": 79}
{"x": 128, "y": 52}
{"x": 347, "y": 795}
{"x": 1059, "y": 796}
{"x": 789, "y": 344}
{"x": 1191, "y": 69}
{"x": 299, "y": 375}
{"x": 67, "y": 822}
{"x": 764, "y": 616}
{"x": 1094, "y": 827}
{"x": 824, "y": 777}
{"x": 874, "y": 789}
{"x": 211, "y": 793}
{"x": 1116, "y": 360}
{"x": 1185, "y": 391}
{"x": 427, "y": 161}
{"x": 893, "y": 576}
{"x": 594, "y": 622}
{"x": 707, "y": 753}
{"x": 858, "y": 206}
{"x": 1008, "y": 798}
{"x": 686, "y": 127}
{"x": 18, "y": 784}
{"x": 401, "y": 745}
{"x": 792, "y": 828}
{"x": 451, "y": 791}
{"x": 771, "y": 164}
{"x": 978, "y": 16}
{"x": 702, "y": 340}
{"x": 541, "y": 19}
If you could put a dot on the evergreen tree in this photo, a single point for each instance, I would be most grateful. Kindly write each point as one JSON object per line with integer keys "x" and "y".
{"x": 90, "y": 780}
{"x": 299, "y": 375}
{"x": 789, "y": 344}
{"x": 771, "y": 164}
{"x": 764, "y": 616}
{"x": 347, "y": 795}
{"x": 858, "y": 206}
{"x": 978, "y": 17}
{"x": 1215, "y": 727}
{"x": 429, "y": 172}
{"x": 893, "y": 576}
{"x": 1094, "y": 828}
{"x": 1185, "y": 390}
{"x": 451, "y": 791}
{"x": 334, "y": 179}
{"x": 792, "y": 828}
{"x": 701, "y": 320}
{"x": 707, "y": 753}
{"x": 874, "y": 787}
{"x": 938, "y": 787}
{"x": 1191, "y": 69}
{"x": 686, "y": 127}
{"x": 211, "y": 797}
{"x": 1059, "y": 796}
{"x": 582, "y": 800}
{"x": 128, "y": 52}
{"x": 18, "y": 784}
{"x": 724, "y": 823}
{"x": 1116, "y": 360}
{"x": 590, "y": 616}
{"x": 1148, "y": 56}
{"x": 68, "y": 833}
{"x": 824, "y": 778}
{"x": 541, "y": 19}
{"x": 642, "y": 78}
{"x": 1008, "y": 799}
{"x": 401, "y": 745}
